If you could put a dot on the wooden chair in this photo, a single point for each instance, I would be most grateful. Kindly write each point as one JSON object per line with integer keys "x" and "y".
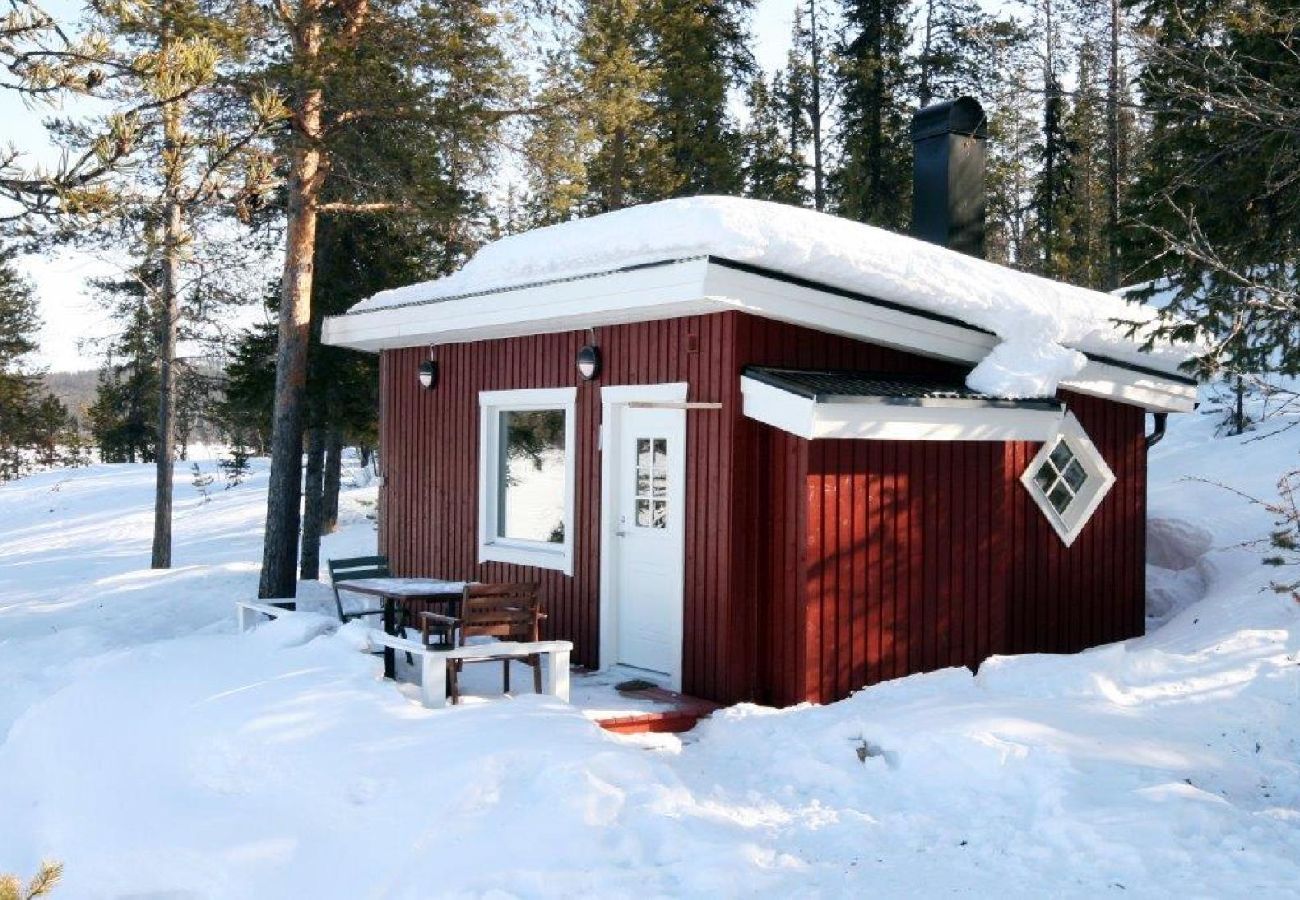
{"x": 351, "y": 569}
{"x": 508, "y": 612}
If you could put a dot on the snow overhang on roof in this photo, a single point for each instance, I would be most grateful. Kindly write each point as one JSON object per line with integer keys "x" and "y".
{"x": 1024, "y": 335}
{"x": 884, "y": 406}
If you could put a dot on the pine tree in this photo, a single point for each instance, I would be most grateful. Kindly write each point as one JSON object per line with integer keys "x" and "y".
{"x": 1081, "y": 219}
{"x": 124, "y": 416}
{"x": 1013, "y": 131}
{"x": 162, "y": 68}
{"x": 1053, "y": 190}
{"x": 556, "y": 150}
{"x": 809, "y": 92}
{"x": 774, "y": 167}
{"x": 952, "y": 59}
{"x": 236, "y": 466}
{"x": 700, "y": 48}
{"x": 33, "y": 424}
{"x": 873, "y": 182}
{"x": 618, "y": 79}
{"x": 345, "y": 68}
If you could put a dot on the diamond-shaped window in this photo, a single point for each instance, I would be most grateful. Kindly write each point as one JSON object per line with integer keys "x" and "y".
{"x": 1068, "y": 478}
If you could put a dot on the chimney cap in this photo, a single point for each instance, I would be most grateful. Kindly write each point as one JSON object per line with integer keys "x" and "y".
{"x": 961, "y": 116}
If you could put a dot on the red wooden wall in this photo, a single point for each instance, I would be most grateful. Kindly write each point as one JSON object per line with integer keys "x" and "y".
{"x": 811, "y": 568}
{"x": 914, "y": 556}
{"x": 429, "y": 440}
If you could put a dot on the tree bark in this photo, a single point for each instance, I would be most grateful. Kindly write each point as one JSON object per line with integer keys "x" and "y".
{"x": 815, "y": 109}
{"x": 169, "y": 312}
{"x": 333, "y": 472}
{"x": 280, "y": 544}
{"x": 313, "y": 506}
{"x": 1112, "y": 153}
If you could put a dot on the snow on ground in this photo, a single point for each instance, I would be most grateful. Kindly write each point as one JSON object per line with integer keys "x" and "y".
{"x": 159, "y": 754}
{"x": 1042, "y": 323}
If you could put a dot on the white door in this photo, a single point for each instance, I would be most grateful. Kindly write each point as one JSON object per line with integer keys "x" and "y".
{"x": 648, "y": 537}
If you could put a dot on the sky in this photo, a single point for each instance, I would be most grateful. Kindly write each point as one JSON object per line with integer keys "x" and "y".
{"x": 70, "y": 315}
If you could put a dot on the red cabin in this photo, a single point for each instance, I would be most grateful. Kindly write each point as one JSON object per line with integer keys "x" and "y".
{"x": 768, "y": 454}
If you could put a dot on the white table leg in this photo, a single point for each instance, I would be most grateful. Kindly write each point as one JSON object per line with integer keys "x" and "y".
{"x": 557, "y": 674}
{"x": 433, "y": 680}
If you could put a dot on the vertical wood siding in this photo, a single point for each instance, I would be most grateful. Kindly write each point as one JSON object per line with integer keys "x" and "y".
{"x": 429, "y": 439}
{"x": 922, "y": 555}
{"x": 811, "y": 568}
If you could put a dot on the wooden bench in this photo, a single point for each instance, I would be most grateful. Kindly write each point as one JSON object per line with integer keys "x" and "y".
{"x": 433, "y": 663}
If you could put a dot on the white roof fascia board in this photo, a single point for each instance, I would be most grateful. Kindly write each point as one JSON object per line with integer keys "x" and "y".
{"x": 796, "y": 304}
{"x": 697, "y": 287}
{"x": 651, "y": 292}
{"x": 873, "y": 420}
{"x": 1148, "y": 391}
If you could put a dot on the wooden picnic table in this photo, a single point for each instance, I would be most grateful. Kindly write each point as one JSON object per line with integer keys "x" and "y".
{"x": 399, "y": 591}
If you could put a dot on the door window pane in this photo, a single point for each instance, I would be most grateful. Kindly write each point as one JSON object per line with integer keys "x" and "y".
{"x": 651, "y": 474}
{"x": 532, "y": 473}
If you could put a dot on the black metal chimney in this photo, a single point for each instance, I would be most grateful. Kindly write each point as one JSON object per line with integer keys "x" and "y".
{"x": 948, "y": 175}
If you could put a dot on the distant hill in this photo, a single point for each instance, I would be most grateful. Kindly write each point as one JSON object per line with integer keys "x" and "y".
{"x": 75, "y": 389}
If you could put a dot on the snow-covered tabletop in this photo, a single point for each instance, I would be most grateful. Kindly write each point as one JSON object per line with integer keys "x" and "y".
{"x": 402, "y": 587}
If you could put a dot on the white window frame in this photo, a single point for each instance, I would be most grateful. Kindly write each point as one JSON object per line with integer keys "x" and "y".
{"x": 491, "y": 547}
{"x": 1100, "y": 479}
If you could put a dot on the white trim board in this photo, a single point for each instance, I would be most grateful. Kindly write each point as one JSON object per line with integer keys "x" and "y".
{"x": 813, "y": 420}
{"x": 698, "y": 286}
{"x": 1070, "y": 524}
{"x": 613, "y": 400}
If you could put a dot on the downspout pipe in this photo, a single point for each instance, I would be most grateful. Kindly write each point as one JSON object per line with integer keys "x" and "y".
{"x": 1157, "y": 434}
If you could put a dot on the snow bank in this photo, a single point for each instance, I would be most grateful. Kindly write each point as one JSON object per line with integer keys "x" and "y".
{"x": 159, "y": 754}
{"x": 1042, "y": 323}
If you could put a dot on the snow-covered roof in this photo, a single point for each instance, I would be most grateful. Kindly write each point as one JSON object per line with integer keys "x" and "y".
{"x": 1043, "y": 327}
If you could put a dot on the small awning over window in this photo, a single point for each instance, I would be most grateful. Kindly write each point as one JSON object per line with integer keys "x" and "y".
{"x": 890, "y": 407}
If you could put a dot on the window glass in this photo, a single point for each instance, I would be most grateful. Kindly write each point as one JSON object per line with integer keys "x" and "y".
{"x": 1060, "y": 477}
{"x": 530, "y": 502}
{"x": 651, "y": 483}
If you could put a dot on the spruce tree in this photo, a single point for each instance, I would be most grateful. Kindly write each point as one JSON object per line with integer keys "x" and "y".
{"x": 617, "y": 80}
{"x": 774, "y": 166}
{"x": 1217, "y": 201}
{"x": 701, "y": 50}
{"x": 32, "y": 421}
{"x": 1051, "y": 196}
{"x": 1013, "y": 133}
{"x": 1082, "y": 219}
{"x": 952, "y": 59}
{"x": 873, "y": 181}
{"x": 124, "y": 416}
{"x": 809, "y": 92}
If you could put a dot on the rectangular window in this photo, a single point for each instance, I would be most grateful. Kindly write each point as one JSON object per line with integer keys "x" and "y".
{"x": 526, "y": 477}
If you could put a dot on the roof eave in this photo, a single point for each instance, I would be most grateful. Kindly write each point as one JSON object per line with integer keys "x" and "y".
{"x": 699, "y": 285}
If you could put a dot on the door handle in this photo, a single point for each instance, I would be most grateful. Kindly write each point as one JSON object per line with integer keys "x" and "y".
{"x": 620, "y": 533}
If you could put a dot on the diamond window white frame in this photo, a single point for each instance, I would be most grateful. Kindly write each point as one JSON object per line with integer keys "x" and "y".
{"x": 491, "y": 546}
{"x": 1068, "y": 479}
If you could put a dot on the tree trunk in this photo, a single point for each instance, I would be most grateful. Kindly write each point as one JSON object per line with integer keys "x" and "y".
{"x": 815, "y": 109}
{"x": 280, "y": 544}
{"x": 1112, "y": 153}
{"x": 1051, "y": 135}
{"x": 333, "y": 472}
{"x": 169, "y": 311}
{"x": 313, "y": 506}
